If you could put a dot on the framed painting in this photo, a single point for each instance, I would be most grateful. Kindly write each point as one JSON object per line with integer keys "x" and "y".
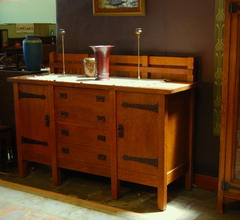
{"x": 119, "y": 7}
{"x": 3, "y": 38}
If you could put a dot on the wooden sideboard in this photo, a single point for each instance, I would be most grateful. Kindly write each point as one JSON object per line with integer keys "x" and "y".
{"x": 133, "y": 130}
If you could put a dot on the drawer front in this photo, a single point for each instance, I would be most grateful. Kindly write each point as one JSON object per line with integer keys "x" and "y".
{"x": 81, "y": 153}
{"x": 82, "y": 97}
{"x": 83, "y": 135}
{"x": 83, "y": 116}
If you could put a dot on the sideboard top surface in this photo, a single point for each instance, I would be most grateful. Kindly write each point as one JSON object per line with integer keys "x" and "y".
{"x": 158, "y": 86}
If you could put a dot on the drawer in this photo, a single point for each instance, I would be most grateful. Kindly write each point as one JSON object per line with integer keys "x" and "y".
{"x": 82, "y": 135}
{"x": 91, "y": 155}
{"x": 83, "y": 116}
{"x": 82, "y": 97}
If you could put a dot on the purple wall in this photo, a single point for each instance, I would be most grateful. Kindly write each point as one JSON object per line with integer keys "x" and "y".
{"x": 170, "y": 28}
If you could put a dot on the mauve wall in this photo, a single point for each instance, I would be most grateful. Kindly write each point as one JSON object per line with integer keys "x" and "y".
{"x": 170, "y": 28}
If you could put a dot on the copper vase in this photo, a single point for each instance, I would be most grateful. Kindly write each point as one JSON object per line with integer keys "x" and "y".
{"x": 101, "y": 53}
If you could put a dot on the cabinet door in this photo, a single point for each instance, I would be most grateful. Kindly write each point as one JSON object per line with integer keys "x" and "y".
{"x": 229, "y": 170}
{"x": 138, "y": 119}
{"x": 231, "y": 103}
{"x": 34, "y": 123}
{"x": 237, "y": 144}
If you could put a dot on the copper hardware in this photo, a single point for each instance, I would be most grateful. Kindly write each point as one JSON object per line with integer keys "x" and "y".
{"x": 31, "y": 141}
{"x": 65, "y": 150}
{"x": 47, "y": 120}
{"x": 102, "y": 157}
{"x": 64, "y": 114}
{"x": 100, "y": 99}
{"x": 100, "y": 118}
{"x": 148, "y": 107}
{"x": 62, "y": 95}
{"x": 101, "y": 138}
{"x": 152, "y": 162}
{"x": 30, "y": 95}
{"x": 226, "y": 186}
{"x": 65, "y": 132}
{"x": 233, "y": 7}
{"x": 120, "y": 131}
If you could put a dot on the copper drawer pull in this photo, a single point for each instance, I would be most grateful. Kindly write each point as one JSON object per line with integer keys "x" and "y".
{"x": 100, "y": 118}
{"x": 65, "y": 132}
{"x": 64, "y": 114}
{"x": 62, "y": 95}
{"x": 102, "y": 157}
{"x": 65, "y": 150}
{"x": 100, "y": 99}
{"x": 101, "y": 138}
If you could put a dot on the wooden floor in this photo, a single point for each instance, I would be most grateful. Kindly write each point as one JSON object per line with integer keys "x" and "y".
{"x": 182, "y": 204}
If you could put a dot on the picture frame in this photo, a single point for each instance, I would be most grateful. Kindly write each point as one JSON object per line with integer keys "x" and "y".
{"x": 119, "y": 8}
{"x": 4, "y": 38}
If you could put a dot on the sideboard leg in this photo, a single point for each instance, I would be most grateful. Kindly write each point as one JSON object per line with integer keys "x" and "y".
{"x": 220, "y": 204}
{"x": 189, "y": 174}
{"x": 115, "y": 188}
{"x": 56, "y": 175}
{"x": 189, "y": 180}
{"x": 22, "y": 168}
{"x": 162, "y": 198}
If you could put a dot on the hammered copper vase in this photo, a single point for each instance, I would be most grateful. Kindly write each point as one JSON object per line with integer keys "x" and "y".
{"x": 101, "y": 53}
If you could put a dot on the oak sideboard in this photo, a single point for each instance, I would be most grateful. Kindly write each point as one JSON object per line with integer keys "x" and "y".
{"x": 126, "y": 129}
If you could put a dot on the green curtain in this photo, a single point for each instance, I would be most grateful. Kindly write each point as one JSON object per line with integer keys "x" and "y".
{"x": 218, "y": 64}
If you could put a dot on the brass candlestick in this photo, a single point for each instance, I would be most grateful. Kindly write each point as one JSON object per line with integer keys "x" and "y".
{"x": 138, "y": 32}
{"x": 62, "y": 32}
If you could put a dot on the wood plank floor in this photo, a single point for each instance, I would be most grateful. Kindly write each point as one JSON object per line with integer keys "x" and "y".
{"x": 182, "y": 204}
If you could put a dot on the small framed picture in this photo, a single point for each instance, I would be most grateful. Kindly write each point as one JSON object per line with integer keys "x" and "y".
{"x": 119, "y": 8}
{"x": 3, "y": 38}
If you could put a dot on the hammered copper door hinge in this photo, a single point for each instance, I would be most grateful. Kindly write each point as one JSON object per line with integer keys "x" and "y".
{"x": 233, "y": 7}
{"x": 30, "y": 95}
{"x": 148, "y": 107}
{"x": 148, "y": 161}
{"x": 226, "y": 186}
{"x": 32, "y": 141}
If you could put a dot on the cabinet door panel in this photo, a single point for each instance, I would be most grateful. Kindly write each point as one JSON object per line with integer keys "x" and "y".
{"x": 229, "y": 166}
{"x": 138, "y": 145}
{"x": 230, "y": 121}
{"x": 34, "y": 122}
{"x": 34, "y": 111}
{"x": 236, "y": 141}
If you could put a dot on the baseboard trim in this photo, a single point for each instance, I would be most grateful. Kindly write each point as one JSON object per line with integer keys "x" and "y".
{"x": 206, "y": 182}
